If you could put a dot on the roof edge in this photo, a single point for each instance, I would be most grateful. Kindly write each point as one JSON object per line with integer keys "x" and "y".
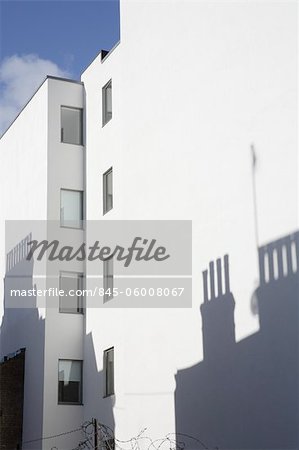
{"x": 48, "y": 77}
{"x": 99, "y": 55}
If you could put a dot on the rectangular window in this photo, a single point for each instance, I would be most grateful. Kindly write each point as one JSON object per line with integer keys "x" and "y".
{"x": 71, "y": 208}
{"x": 71, "y": 125}
{"x": 108, "y": 279}
{"x": 109, "y": 372}
{"x": 72, "y": 285}
{"x": 69, "y": 381}
{"x": 107, "y": 102}
{"x": 107, "y": 191}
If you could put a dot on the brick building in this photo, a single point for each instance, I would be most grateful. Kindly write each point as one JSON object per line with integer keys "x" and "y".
{"x": 11, "y": 400}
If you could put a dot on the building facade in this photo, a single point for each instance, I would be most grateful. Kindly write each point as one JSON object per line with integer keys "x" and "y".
{"x": 191, "y": 116}
{"x": 12, "y": 398}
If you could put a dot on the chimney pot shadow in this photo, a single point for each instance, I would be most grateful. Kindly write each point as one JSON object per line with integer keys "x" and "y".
{"x": 244, "y": 395}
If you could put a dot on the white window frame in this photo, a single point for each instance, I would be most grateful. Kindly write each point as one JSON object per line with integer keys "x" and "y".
{"x": 106, "y": 115}
{"x": 80, "y": 401}
{"x": 80, "y": 280}
{"x": 108, "y": 278}
{"x": 80, "y": 221}
{"x": 106, "y": 174}
{"x": 74, "y": 108}
{"x": 108, "y": 392}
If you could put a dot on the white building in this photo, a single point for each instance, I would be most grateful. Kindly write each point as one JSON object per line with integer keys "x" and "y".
{"x": 193, "y": 85}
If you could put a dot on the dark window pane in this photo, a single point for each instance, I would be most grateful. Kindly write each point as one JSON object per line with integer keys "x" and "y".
{"x": 71, "y": 208}
{"x": 107, "y": 102}
{"x": 109, "y": 371}
{"x": 108, "y": 279}
{"x": 71, "y": 125}
{"x": 71, "y": 302}
{"x": 107, "y": 191}
{"x": 69, "y": 381}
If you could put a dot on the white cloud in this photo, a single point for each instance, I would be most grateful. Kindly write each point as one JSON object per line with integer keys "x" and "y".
{"x": 20, "y": 76}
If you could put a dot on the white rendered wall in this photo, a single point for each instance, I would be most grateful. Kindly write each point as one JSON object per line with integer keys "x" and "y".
{"x": 23, "y": 181}
{"x": 63, "y": 332}
{"x": 194, "y": 84}
{"x": 35, "y": 165}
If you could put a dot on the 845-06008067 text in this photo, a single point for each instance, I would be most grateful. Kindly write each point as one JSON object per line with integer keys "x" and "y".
{"x": 100, "y": 291}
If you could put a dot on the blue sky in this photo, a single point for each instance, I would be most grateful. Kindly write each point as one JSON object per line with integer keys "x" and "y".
{"x": 69, "y": 33}
{"x": 49, "y": 37}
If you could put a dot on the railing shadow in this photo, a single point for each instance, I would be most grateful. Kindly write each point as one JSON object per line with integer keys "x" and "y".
{"x": 22, "y": 327}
